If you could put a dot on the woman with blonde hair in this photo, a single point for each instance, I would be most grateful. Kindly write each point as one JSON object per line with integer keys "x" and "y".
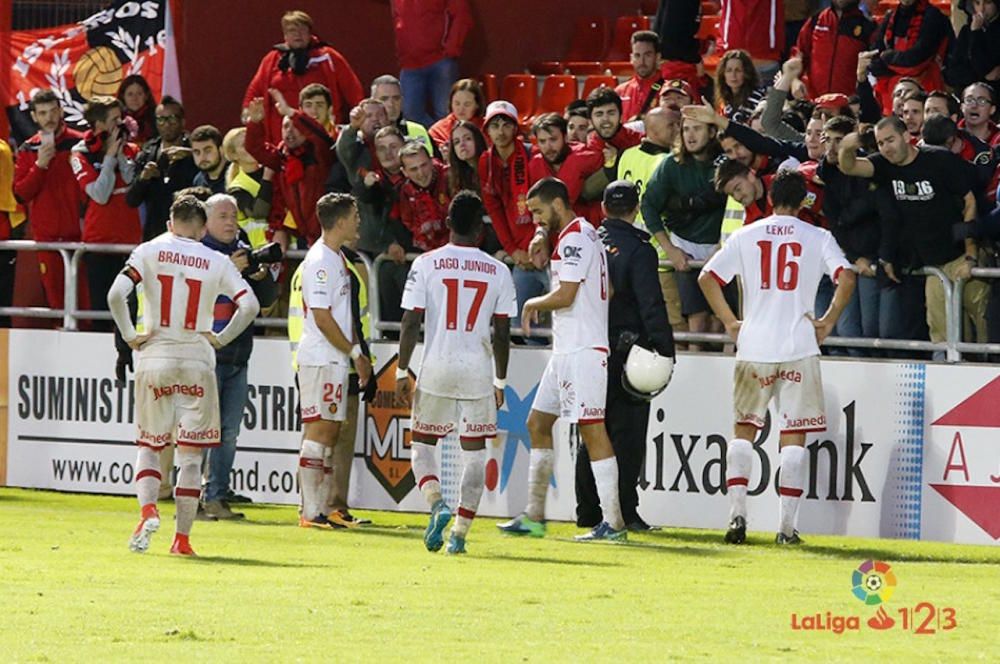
{"x": 250, "y": 184}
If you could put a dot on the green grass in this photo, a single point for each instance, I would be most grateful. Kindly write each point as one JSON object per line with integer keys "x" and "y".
{"x": 268, "y": 591}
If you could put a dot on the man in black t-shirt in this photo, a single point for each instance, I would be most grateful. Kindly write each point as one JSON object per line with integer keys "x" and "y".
{"x": 930, "y": 192}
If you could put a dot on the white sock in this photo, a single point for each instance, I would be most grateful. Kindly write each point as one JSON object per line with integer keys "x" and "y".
{"x": 423, "y": 458}
{"x": 791, "y": 481}
{"x": 539, "y": 474}
{"x": 311, "y": 474}
{"x": 188, "y": 489}
{"x": 471, "y": 491}
{"x": 326, "y": 486}
{"x": 739, "y": 463}
{"x": 606, "y": 478}
{"x": 147, "y": 476}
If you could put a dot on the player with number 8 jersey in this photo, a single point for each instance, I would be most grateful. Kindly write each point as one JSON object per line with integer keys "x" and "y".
{"x": 176, "y": 396}
{"x": 574, "y": 384}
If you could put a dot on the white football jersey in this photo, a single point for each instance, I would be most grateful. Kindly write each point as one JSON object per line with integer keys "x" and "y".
{"x": 780, "y": 261}
{"x": 326, "y": 284}
{"x": 578, "y": 256}
{"x": 460, "y": 290}
{"x": 181, "y": 280}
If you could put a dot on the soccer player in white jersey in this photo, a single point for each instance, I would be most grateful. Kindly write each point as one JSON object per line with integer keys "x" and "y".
{"x": 458, "y": 290}
{"x": 326, "y": 349}
{"x": 780, "y": 261}
{"x": 574, "y": 384}
{"x": 176, "y": 398}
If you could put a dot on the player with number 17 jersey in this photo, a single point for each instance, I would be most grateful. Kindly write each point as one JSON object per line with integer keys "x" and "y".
{"x": 459, "y": 289}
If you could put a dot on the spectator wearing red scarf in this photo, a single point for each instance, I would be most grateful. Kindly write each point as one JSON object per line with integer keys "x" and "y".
{"x": 302, "y": 161}
{"x": 292, "y": 65}
{"x": 424, "y": 198}
{"x": 503, "y": 175}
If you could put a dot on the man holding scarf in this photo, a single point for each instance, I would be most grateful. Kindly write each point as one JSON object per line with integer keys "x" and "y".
{"x": 302, "y": 58}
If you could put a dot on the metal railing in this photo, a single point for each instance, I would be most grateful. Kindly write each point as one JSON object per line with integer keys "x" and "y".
{"x": 72, "y": 253}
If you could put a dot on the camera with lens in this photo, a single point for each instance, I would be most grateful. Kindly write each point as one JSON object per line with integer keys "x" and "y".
{"x": 269, "y": 254}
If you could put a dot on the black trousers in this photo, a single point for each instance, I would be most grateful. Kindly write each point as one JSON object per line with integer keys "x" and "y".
{"x": 101, "y": 272}
{"x": 627, "y": 421}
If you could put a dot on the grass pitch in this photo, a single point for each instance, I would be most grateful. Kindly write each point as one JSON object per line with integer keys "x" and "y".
{"x": 266, "y": 590}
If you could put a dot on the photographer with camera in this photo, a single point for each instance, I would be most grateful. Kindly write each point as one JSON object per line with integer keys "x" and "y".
{"x": 222, "y": 233}
{"x": 103, "y": 164}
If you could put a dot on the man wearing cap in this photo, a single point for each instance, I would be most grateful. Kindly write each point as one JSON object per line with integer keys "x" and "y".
{"x": 504, "y": 179}
{"x": 636, "y": 314}
{"x": 639, "y": 93}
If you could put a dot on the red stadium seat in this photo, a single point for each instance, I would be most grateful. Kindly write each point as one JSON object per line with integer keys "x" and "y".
{"x": 710, "y": 8}
{"x": 591, "y": 83}
{"x": 522, "y": 91}
{"x": 619, "y": 68}
{"x": 709, "y": 28}
{"x": 547, "y": 68}
{"x": 590, "y": 39}
{"x": 491, "y": 87}
{"x": 557, "y": 92}
{"x": 621, "y": 44}
{"x": 584, "y": 68}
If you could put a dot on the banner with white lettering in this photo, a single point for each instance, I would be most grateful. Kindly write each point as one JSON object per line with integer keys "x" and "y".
{"x": 909, "y": 451}
{"x": 88, "y": 59}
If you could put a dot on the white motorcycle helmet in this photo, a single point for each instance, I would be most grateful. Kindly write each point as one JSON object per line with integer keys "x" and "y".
{"x": 647, "y": 373}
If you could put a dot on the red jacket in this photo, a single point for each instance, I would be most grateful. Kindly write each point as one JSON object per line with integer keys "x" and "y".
{"x": 623, "y": 139}
{"x": 580, "y": 164}
{"x": 505, "y": 186}
{"x": 429, "y": 30}
{"x": 756, "y": 26}
{"x": 440, "y": 131}
{"x": 424, "y": 211}
{"x": 634, "y": 93}
{"x": 912, "y": 41}
{"x": 302, "y": 173}
{"x": 829, "y": 46}
{"x": 51, "y": 195}
{"x": 113, "y": 222}
{"x": 326, "y": 66}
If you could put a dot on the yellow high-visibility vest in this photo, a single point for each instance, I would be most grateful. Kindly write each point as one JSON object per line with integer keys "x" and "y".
{"x": 256, "y": 229}
{"x": 417, "y": 130}
{"x": 732, "y": 219}
{"x": 637, "y": 165}
{"x": 296, "y": 310}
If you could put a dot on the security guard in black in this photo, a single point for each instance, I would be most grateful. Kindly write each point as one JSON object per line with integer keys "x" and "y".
{"x": 636, "y": 306}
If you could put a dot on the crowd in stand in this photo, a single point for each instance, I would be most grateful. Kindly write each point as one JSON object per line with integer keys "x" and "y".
{"x": 890, "y": 119}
